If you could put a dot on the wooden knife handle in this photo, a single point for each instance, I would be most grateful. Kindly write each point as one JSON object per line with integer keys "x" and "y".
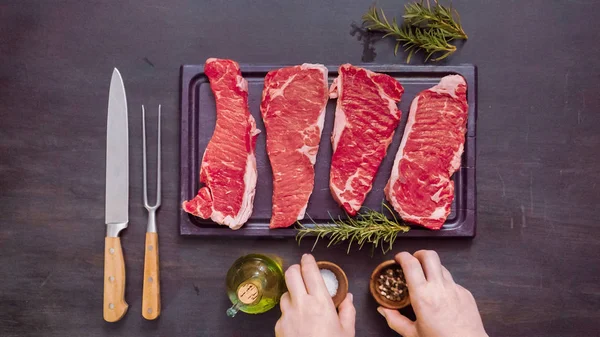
{"x": 115, "y": 306}
{"x": 151, "y": 292}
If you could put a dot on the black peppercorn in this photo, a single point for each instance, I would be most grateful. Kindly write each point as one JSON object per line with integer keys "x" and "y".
{"x": 392, "y": 284}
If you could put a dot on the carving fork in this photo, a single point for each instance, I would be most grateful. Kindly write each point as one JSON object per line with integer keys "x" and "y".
{"x": 151, "y": 288}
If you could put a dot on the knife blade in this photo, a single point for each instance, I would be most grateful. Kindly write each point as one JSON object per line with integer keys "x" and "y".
{"x": 117, "y": 199}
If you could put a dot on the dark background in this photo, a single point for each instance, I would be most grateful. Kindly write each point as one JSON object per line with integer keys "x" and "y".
{"x": 533, "y": 266}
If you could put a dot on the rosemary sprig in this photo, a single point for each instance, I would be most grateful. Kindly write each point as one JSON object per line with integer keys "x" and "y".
{"x": 425, "y": 28}
{"x": 428, "y": 40}
{"x": 369, "y": 227}
{"x": 439, "y": 17}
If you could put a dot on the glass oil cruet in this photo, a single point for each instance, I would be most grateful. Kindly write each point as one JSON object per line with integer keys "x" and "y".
{"x": 255, "y": 282}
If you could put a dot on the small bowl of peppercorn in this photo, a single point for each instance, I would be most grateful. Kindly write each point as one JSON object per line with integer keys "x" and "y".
{"x": 388, "y": 286}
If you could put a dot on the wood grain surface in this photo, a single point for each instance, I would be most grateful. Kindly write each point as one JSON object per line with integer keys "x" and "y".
{"x": 114, "y": 306}
{"x": 532, "y": 267}
{"x": 151, "y": 287}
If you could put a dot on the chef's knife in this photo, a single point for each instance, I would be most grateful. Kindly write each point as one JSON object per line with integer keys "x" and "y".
{"x": 117, "y": 199}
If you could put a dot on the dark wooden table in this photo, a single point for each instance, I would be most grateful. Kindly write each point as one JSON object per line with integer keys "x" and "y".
{"x": 533, "y": 266}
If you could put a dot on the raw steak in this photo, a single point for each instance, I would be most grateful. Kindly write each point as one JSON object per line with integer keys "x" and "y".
{"x": 293, "y": 110}
{"x": 228, "y": 169}
{"x": 420, "y": 188}
{"x": 366, "y": 117}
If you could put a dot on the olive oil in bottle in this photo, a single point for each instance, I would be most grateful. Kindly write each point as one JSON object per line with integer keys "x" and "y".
{"x": 255, "y": 283}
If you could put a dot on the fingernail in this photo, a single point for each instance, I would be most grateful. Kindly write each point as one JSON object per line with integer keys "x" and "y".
{"x": 351, "y": 297}
{"x": 380, "y": 311}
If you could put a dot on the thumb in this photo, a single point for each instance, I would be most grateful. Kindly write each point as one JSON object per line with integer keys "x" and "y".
{"x": 347, "y": 314}
{"x": 398, "y": 322}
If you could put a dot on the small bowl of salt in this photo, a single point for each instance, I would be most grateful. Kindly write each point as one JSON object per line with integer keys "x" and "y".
{"x": 335, "y": 281}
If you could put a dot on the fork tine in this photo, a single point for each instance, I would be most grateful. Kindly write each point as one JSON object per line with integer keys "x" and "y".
{"x": 158, "y": 166}
{"x": 144, "y": 156}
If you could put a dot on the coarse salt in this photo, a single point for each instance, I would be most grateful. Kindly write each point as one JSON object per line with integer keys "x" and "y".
{"x": 331, "y": 282}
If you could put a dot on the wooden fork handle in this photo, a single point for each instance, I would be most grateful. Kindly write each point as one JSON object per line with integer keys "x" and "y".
{"x": 151, "y": 289}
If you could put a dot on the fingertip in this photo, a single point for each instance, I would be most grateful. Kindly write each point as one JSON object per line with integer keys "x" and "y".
{"x": 426, "y": 253}
{"x": 431, "y": 264}
{"x": 385, "y": 311}
{"x": 308, "y": 263}
{"x": 313, "y": 280}
{"x": 406, "y": 260}
{"x": 402, "y": 256}
{"x": 413, "y": 271}
{"x": 419, "y": 252}
{"x": 293, "y": 281}
{"x": 293, "y": 271}
{"x": 308, "y": 258}
{"x": 348, "y": 300}
{"x": 397, "y": 322}
{"x": 347, "y": 313}
{"x": 293, "y": 268}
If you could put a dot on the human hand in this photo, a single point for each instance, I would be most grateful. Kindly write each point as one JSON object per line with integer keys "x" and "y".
{"x": 443, "y": 308}
{"x": 307, "y": 310}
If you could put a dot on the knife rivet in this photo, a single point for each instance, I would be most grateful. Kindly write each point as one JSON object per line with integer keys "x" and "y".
{"x": 149, "y": 310}
{"x": 150, "y": 247}
{"x": 111, "y": 306}
{"x": 112, "y": 250}
{"x": 150, "y": 279}
{"x": 112, "y": 278}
